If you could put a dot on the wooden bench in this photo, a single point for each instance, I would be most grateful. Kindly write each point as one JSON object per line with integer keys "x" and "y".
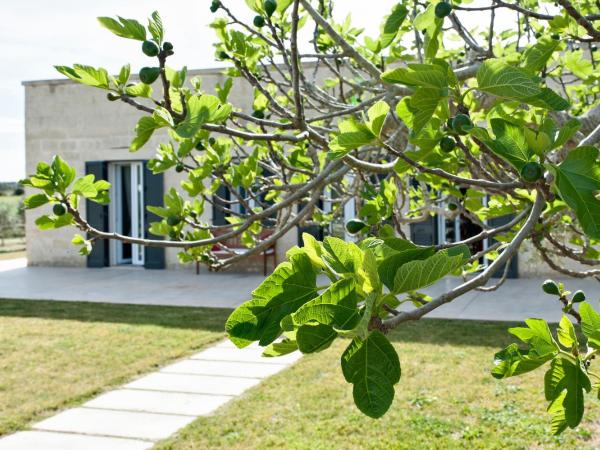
{"x": 234, "y": 245}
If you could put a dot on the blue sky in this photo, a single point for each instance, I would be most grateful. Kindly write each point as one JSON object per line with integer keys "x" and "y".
{"x": 37, "y": 34}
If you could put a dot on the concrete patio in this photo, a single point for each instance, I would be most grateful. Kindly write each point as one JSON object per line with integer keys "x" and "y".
{"x": 514, "y": 301}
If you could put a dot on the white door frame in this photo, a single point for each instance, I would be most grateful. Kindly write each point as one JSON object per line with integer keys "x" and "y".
{"x": 137, "y": 211}
{"x": 349, "y": 210}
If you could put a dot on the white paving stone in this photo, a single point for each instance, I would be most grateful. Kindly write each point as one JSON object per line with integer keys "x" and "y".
{"x": 125, "y": 424}
{"x": 224, "y": 368}
{"x": 155, "y": 406}
{"x": 228, "y": 343}
{"x": 226, "y": 353}
{"x": 159, "y": 402}
{"x": 44, "y": 440}
{"x": 195, "y": 384}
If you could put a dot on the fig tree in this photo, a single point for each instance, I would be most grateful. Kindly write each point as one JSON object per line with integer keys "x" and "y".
{"x": 447, "y": 144}
{"x": 443, "y": 9}
{"x": 150, "y": 48}
{"x": 550, "y": 287}
{"x": 148, "y": 75}
{"x": 532, "y": 171}
{"x": 461, "y": 124}
{"x": 353, "y": 226}
{"x": 59, "y": 209}
{"x": 270, "y": 7}
{"x": 173, "y": 221}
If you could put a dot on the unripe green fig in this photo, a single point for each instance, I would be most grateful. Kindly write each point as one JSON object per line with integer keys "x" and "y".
{"x": 461, "y": 124}
{"x": 148, "y": 75}
{"x": 259, "y": 21}
{"x": 550, "y": 287}
{"x": 215, "y": 5}
{"x": 112, "y": 97}
{"x": 212, "y": 141}
{"x": 150, "y": 48}
{"x": 167, "y": 46}
{"x": 59, "y": 209}
{"x": 258, "y": 114}
{"x": 353, "y": 226}
{"x": 173, "y": 221}
{"x": 578, "y": 297}
{"x": 199, "y": 146}
{"x": 270, "y": 7}
{"x": 447, "y": 144}
{"x": 223, "y": 55}
{"x": 532, "y": 171}
{"x": 555, "y": 36}
{"x": 452, "y": 206}
{"x": 179, "y": 168}
{"x": 443, "y": 9}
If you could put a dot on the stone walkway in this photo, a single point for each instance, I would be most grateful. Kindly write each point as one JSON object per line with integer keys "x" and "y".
{"x": 153, "y": 407}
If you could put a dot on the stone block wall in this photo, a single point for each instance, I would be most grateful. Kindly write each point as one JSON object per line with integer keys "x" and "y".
{"x": 78, "y": 123}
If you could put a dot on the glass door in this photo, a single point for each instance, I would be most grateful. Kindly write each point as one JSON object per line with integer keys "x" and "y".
{"x": 127, "y": 211}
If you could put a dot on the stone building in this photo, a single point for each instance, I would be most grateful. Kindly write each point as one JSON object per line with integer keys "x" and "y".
{"x": 93, "y": 135}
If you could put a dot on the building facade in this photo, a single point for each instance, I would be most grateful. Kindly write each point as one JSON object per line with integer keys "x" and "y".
{"x": 93, "y": 135}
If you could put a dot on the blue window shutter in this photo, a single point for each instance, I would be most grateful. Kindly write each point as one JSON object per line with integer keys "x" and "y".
{"x": 424, "y": 233}
{"x": 218, "y": 214}
{"x": 97, "y": 216}
{"x": 154, "y": 257}
{"x": 316, "y": 231}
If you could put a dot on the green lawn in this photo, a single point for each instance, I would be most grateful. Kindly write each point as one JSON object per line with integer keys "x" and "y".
{"x": 58, "y": 354}
{"x": 446, "y": 399}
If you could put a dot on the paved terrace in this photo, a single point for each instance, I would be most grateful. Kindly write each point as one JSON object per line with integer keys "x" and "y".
{"x": 516, "y": 300}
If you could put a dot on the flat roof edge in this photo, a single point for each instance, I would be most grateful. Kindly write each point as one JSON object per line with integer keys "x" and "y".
{"x": 59, "y": 81}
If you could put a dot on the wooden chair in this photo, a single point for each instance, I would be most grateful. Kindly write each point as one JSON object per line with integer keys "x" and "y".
{"x": 235, "y": 245}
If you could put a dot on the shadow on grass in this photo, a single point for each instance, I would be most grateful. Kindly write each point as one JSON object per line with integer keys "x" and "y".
{"x": 429, "y": 331}
{"x": 210, "y": 319}
{"x": 455, "y": 332}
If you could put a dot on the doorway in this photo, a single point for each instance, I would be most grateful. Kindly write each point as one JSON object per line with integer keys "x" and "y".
{"x": 126, "y": 211}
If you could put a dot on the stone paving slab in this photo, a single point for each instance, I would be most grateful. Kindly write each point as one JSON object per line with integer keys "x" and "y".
{"x": 224, "y": 368}
{"x": 193, "y": 384}
{"x": 158, "y": 402}
{"x": 125, "y": 424}
{"x": 243, "y": 355}
{"x": 154, "y": 406}
{"x": 44, "y": 440}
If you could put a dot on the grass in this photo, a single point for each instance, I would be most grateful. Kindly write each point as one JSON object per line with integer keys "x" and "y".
{"x": 12, "y": 255}
{"x": 446, "y": 399}
{"x": 58, "y": 354}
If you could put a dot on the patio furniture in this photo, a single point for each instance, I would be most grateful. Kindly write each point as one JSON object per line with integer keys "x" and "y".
{"x": 235, "y": 245}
